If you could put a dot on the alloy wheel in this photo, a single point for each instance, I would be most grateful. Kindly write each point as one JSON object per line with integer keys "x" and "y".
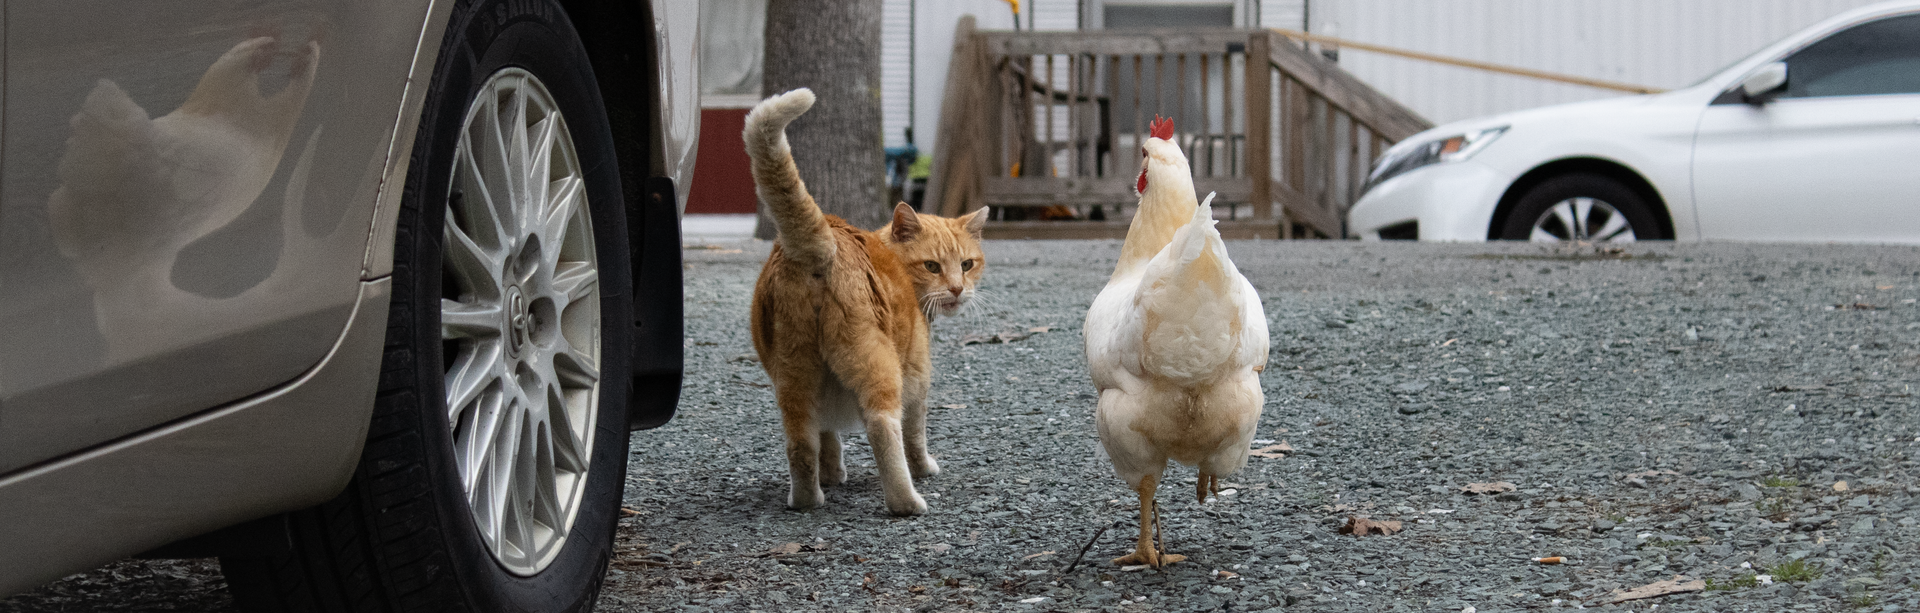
{"x": 1582, "y": 219}
{"x": 520, "y": 321}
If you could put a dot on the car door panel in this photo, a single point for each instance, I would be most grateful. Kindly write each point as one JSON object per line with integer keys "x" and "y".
{"x": 1832, "y": 159}
{"x": 1810, "y": 169}
{"x": 184, "y": 204}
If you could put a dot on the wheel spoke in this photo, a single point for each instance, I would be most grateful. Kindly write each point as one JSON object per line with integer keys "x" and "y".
{"x": 481, "y": 204}
{"x": 546, "y": 499}
{"x": 574, "y": 281}
{"x": 469, "y": 320}
{"x": 539, "y": 156}
{"x": 567, "y": 454}
{"x": 478, "y": 439}
{"x": 491, "y": 151}
{"x": 505, "y": 456}
{"x": 472, "y": 374}
{"x": 477, "y": 270}
{"x": 1582, "y": 216}
{"x": 1563, "y": 213}
{"x": 1614, "y": 230}
{"x": 575, "y": 369}
{"x": 566, "y": 198}
{"x": 517, "y": 154}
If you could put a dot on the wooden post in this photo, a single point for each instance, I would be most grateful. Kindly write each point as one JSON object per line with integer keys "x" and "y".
{"x": 1330, "y": 175}
{"x": 1259, "y": 131}
{"x": 954, "y": 174}
{"x": 1298, "y": 118}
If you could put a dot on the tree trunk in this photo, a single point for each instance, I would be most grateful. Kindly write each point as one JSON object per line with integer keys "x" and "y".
{"x": 832, "y": 48}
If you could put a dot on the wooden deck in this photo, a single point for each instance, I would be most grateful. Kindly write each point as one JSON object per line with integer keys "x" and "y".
{"x": 1045, "y": 129}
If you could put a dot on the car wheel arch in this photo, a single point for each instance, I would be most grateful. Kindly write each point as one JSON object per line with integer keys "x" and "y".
{"x": 622, "y": 45}
{"x": 1565, "y": 166}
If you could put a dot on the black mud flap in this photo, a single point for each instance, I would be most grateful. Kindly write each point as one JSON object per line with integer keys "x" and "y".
{"x": 659, "y": 335}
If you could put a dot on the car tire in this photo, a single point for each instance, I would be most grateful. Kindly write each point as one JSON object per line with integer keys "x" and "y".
{"x": 1581, "y": 206}
{"x": 403, "y": 536}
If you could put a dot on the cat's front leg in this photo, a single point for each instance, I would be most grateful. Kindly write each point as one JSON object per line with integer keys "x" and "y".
{"x": 914, "y": 387}
{"x": 883, "y": 434}
{"x": 914, "y": 429}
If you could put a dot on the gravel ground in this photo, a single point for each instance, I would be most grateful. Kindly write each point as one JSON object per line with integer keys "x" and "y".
{"x": 1670, "y": 410}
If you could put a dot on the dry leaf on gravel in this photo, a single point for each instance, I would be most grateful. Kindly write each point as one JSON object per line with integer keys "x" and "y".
{"x": 1839, "y": 486}
{"x": 1361, "y": 526}
{"x": 993, "y": 339}
{"x": 1488, "y": 488}
{"x": 1677, "y": 585}
{"x": 1276, "y": 450}
{"x": 786, "y": 549}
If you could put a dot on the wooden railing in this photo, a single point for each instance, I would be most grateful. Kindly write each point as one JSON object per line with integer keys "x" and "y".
{"x": 1045, "y": 128}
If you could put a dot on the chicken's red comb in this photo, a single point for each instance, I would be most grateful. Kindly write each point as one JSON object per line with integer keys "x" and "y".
{"x": 1161, "y": 128}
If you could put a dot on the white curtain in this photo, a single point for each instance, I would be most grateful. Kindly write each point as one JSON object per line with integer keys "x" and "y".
{"x": 732, "y": 43}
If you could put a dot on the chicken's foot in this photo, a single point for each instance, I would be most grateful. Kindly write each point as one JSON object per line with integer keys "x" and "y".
{"x": 1144, "y": 552}
{"x": 1206, "y": 484}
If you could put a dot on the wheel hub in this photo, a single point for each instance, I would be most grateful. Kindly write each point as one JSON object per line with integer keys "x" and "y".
{"x": 519, "y": 321}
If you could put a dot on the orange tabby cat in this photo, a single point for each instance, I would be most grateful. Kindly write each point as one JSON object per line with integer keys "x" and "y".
{"x": 840, "y": 319}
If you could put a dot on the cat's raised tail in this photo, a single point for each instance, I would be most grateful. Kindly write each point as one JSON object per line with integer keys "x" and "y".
{"x": 804, "y": 237}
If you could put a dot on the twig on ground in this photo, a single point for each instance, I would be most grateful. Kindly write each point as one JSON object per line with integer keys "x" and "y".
{"x": 1089, "y": 545}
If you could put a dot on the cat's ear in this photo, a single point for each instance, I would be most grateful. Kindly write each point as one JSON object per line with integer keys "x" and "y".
{"x": 906, "y": 223}
{"x": 975, "y": 222}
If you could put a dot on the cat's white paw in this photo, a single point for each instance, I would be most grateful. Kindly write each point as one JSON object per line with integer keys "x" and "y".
{"x": 805, "y": 497}
{"x": 909, "y": 504}
{"x": 924, "y": 468}
{"x": 832, "y": 476}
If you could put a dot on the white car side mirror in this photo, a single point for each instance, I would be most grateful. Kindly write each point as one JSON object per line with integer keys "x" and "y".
{"x": 1764, "y": 84}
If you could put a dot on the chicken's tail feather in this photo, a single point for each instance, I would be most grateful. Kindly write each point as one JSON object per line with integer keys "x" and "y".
{"x": 1190, "y": 299}
{"x": 803, "y": 232}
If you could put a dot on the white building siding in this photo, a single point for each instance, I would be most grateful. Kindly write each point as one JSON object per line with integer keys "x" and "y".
{"x": 931, "y": 39}
{"x": 1658, "y": 43}
{"x": 1287, "y": 14}
{"x": 896, "y": 70}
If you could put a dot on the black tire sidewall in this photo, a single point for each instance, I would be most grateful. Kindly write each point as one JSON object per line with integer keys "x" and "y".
{"x": 482, "y": 38}
{"x": 1633, "y": 206}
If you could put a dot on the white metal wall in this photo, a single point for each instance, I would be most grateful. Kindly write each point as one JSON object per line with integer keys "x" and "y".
{"x": 1659, "y": 43}
{"x": 896, "y": 71}
{"x": 930, "y": 33}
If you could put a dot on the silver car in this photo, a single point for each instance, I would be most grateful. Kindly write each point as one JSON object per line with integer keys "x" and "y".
{"x": 362, "y": 297}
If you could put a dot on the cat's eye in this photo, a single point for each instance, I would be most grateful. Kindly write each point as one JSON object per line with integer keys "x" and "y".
{"x": 932, "y": 266}
{"x": 966, "y": 265}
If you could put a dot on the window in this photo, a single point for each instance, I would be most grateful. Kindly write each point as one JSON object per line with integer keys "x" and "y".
{"x": 1880, "y": 57}
{"x": 1137, "y": 16}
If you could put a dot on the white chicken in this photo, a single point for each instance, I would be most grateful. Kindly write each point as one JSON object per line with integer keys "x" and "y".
{"x": 1175, "y": 343}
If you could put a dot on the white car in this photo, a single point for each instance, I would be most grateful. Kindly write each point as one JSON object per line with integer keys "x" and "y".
{"x": 1814, "y": 138}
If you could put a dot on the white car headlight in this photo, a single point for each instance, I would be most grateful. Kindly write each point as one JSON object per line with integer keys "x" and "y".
{"x": 1436, "y": 151}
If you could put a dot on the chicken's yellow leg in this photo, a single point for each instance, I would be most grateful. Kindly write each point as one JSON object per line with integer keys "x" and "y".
{"x": 1143, "y": 552}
